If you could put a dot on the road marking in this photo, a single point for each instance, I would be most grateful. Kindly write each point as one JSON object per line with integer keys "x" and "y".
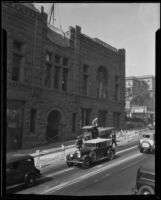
{"x": 126, "y": 149}
{"x": 59, "y": 172}
{"x": 85, "y": 176}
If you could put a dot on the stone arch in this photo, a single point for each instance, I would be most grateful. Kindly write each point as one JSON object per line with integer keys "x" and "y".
{"x": 54, "y": 123}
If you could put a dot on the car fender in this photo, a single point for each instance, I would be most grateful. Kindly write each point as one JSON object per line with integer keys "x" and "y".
{"x": 85, "y": 156}
{"x": 29, "y": 173}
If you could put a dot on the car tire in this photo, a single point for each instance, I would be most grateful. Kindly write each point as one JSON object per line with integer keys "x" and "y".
{"x": 69, "y": 164}
{"x": 86, "y": 163}
{"x": 110, "y": 154}
{"x": 92, "y": 156}
{"x": 141, "y": 150}
{"x": 30, "y": 180}
{"x": 146, "y": 189}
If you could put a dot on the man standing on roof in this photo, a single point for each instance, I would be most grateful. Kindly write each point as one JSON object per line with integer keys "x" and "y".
{"x": 95, "y": 121}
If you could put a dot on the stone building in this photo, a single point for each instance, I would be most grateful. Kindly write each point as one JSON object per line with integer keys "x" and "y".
{"x": 140, "y": 98}
{"x": 57, "y": 82}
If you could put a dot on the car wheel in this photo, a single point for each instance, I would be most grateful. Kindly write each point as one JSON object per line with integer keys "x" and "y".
{"x": 145, "y": 190}
{"x": 86, "y": 163}
{"x": 141, "y": 150}
{"x": 110, "y": 154}
{"x": 69, "y": 164}
{"x": 30, "y": 180}
{"x": 92, "y": 155}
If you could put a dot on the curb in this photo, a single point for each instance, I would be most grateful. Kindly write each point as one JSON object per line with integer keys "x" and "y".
{"x": 51, "y": 152}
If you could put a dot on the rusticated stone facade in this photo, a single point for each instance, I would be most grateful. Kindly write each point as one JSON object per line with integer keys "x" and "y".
{"x": 62, "y": 82}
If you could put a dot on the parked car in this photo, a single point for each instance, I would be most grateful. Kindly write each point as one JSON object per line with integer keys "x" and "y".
{"x": 147, "y": 142}
{"x": 92, "y": 151}
{"x": 145, "y": 182}
{"x": 21, "y": 168}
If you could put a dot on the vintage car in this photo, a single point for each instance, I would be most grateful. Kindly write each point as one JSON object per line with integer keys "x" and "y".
{"x": 92, "y": 151}
{"x": 147, "y": 142}
{"x": 145, "y": 181}
{"x": 92, "y": 132}
{"x": 21, "y": 168}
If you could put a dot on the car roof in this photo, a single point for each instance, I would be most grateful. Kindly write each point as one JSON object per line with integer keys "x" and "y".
{"x": 99, "y": 128}
{"x": 87, "y": 127}
{"x": 149, "y": 133}
{"x": 150, "y": 168}
{"x": 97, "y": 140}
{"x": 17, "y": 157}
{"x": 105, "y": 128}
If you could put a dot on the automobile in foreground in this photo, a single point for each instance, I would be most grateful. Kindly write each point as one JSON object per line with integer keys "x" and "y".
{"x": 92, "y": 151}
{"x": 21, "y": 168}
{"x": 145, "y": 182}
{"x": 147, "y": 142}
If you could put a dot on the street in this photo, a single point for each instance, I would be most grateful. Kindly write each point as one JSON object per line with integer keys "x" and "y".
{"x": 115, "y": 177}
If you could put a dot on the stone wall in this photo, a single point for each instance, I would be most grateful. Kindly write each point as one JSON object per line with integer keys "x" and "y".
{"x": 30, "y": 27}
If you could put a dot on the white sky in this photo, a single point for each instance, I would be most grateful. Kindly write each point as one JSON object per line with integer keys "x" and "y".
{"x": 123, "y": 25}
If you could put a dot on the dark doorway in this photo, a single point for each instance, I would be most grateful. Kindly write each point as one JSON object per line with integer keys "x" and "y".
{"x": 15, "y": 112}
{"x": 52, "y": 130}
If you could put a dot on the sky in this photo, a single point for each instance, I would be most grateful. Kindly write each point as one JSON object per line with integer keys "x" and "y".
{"x": 131, "y": 26}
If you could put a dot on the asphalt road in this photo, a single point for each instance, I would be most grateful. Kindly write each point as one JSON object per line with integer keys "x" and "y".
{"x": 115, "y": 177}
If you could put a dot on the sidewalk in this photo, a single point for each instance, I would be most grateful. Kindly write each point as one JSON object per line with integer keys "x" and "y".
{"x": 46, "y": 149}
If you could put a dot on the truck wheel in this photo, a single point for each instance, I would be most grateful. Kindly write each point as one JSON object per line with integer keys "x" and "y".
{"x": 30, "y": 180}
{"x": 145, "y": 190}
{"x": 69, "y": 164}
{"x": 86, "y": 163}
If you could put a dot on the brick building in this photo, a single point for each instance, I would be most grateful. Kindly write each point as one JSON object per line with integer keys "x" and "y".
{"x": 57, "y": 82}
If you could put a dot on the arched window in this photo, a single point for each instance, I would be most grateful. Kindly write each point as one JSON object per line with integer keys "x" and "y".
{"x": 102, "y": 83}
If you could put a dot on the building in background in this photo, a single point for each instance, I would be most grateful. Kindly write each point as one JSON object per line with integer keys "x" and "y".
{"x": 140, "y": 97}
{"x": 57, "y": 82}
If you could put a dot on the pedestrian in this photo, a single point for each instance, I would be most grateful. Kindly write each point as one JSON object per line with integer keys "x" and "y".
{"x": 114, "y": 139}
{"x": 79, "y": 142}
{"x": 62, "y": 151}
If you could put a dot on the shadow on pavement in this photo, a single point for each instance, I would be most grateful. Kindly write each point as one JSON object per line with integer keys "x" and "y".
{"x": 21, "y": 187}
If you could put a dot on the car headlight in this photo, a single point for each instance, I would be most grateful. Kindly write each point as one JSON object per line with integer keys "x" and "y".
{"x": 78, "y": 154}
{"x": 71, "y": 155}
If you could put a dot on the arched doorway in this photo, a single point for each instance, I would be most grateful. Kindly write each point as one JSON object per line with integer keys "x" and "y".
{"x": 52, "y": 129}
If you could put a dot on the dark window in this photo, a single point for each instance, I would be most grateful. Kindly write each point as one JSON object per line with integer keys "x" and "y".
{"x": 57, "y": 58}
{"x": 74, "y": 122}
{"x": 85, "y": 68}
{"x": 64, "y": 79}
{"x": 116, "y": 120}
{"x": 17, "y": 45}
{"x": 116, "y": 88}
{"x": 102, "y": 83}
{"x": 16, "y": 67}
{"x": 56, "y": 77}
{"x": 85, "y": 83}
{"x": 102, "y": 118}
{"x": 33, "y": 120}
{"x": 65, "y": 61}
{"x": 48, "y": 75}
{"x": 48, "y": 57}
{"x": 85, "y": 116}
